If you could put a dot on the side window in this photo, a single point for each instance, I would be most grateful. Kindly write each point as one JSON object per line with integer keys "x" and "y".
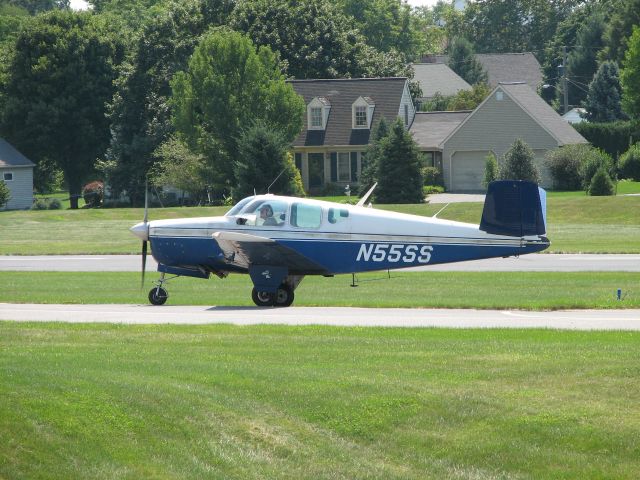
{"x": 337, "y": 215}
{"x": 8, "y": 176}
{"x": 306, "y": 216}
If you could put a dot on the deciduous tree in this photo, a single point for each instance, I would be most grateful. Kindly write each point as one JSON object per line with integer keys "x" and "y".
{"x": 630, "y": 76}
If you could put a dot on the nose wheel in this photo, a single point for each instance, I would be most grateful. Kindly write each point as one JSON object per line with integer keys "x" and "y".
{"x": 158, "y": 295}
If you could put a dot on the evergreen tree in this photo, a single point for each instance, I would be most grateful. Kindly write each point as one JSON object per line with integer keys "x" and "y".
{"x": 603, "y": 100}
{"x": 601, "y": 184}
{"x": 372, "y": 156}
{"x": 399, "y": 169}
{"x": 263, "y": 159}
{"x": 463, "y": 61}
{"x": 491, "y": 170}
{"x": 518, "y": 163}
{"x": 5, "y": 194}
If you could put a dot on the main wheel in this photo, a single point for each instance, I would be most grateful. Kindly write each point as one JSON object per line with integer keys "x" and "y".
{"x": 284, "y": 296}
{"x": 262, "y": 299}
{"x": 158, "y": 296}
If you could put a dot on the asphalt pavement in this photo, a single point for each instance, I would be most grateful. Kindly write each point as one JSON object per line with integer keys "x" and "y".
{"x": 334, "y": 316}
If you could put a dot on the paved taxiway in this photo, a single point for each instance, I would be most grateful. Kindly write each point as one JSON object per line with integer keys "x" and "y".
{"x": 528, "y": 263}
{"x": 335, "y": 316}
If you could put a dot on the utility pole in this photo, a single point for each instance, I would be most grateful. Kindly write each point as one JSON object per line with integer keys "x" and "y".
{"x": 565, "y": 91}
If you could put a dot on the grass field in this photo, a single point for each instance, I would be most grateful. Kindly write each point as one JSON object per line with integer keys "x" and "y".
{"x": 224, "y": 402}
{"x": 576, "y": 224}
{"x": 515, "y": 290}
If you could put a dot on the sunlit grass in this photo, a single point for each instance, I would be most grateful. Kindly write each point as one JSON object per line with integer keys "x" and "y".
{"x": 265, "y": 402}
{"x": 517, "y": 290}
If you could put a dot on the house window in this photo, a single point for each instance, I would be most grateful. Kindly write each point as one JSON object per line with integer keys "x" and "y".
{"x": 344, "y": 167}
{"x": 361, "y": 116}
{"x": 8, "y": 176}
{"x": 316, "y": 117}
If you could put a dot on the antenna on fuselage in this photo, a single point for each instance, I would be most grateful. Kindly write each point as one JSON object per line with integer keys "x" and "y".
{"x": 438, "y": 212}
{"x": 269, "y": 187}
{"x": 366, "y": 196}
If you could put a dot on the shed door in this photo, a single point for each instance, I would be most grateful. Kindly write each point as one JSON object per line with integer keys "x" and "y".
{"x": 467, "y": 170}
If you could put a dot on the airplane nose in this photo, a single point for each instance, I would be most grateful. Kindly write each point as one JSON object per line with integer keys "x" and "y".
{"x": 141, "y": 230}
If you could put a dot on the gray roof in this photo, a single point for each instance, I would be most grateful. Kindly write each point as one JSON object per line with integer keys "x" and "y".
{"x": 438, "y": 77}
{"x": 386, "y": 93}
{"x": 429, "y": 129}
{"x": 507, "y": 67}
{"x": 10, "y": 157}
{"x": 541, "y": 112}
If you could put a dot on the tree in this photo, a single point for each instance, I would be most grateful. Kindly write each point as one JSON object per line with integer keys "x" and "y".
{"x": 59, "y": 81}
{"x": 228, "y": 86}
{"x": 630, "y": 163}
{"x": 372, "y": 156}
{"x": 5, "y": 194}
{"x": 399, "y": 173}
{"x": 463, "y": 61}
{"x": 603, "y": 100}
{"x": 517, "y": 163}
{"x": 263, "y": 160}
{"x": 140, "y": 114}
{"x": 601, "y": 184}
{"x": 582, "y": 59}
{"x": 491, "y": 170}
{"x": 38, "y": 6}
{"x": 630, "y": 76}
{"x": 624, "y": 16}
{"x": 565, "y": 165}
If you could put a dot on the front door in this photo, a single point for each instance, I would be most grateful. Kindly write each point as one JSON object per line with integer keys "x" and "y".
{"x": 316, "y": 170}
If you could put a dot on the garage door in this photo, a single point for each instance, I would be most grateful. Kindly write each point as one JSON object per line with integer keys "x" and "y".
{"x": 467, "y": 170}
{"x": 546, "y": 180}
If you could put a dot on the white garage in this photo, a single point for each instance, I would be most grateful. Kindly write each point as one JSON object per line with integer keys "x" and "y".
{"x": 467, "y": 170}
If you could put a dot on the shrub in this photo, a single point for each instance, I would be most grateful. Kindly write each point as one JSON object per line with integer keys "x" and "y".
{"x": 332, "y": 190}
{"x": 611, "y": 137}
{"x": 54, "y": 204}
{"x": 5, "y": 194}
{"x": 630, "y": 163}
{"x": 39, "y": 204}
{"x": 491, "y": 170}
{"x": 593, "y": 161}
{"x": 93, "y": 194}
{"x": 565, "y": 165}
{"x": 432, "y": 176}
{"x": 429, "y": 189}
{"x": 601, "y": 183}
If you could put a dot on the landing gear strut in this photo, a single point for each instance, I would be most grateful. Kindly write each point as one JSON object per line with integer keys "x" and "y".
{"x": 158, "y": 295}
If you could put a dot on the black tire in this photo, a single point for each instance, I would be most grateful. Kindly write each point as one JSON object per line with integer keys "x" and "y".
{"x": 158, "y": 296}
{"x": 284, "y": 296}
{"x": 262, "y": 299}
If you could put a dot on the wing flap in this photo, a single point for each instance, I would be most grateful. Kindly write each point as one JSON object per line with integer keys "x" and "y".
{"x": 244, "y": 250}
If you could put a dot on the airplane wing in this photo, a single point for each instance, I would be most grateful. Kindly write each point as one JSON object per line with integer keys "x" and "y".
{"x": 244, "y": 250}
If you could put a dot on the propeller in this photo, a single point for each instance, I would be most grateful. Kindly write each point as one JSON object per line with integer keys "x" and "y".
{"x": 146, "y": 238}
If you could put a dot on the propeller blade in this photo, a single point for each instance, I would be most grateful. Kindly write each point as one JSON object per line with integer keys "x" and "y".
{"x": 146, "y": 201}
{"x": 144, "y": 261}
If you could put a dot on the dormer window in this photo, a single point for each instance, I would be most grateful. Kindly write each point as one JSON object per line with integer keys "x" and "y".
{"x": 363, "y": 109}
{"x": 318, "y": 113}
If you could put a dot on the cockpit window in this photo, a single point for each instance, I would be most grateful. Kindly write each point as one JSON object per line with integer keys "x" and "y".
{"x": 305, "y": 215}
{"x": 337, "y": 215}
{"x": 238, "y": 206}
{"x": 267, "y": 212}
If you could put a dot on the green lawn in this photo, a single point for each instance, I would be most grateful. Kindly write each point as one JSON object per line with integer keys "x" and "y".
{"x": 515, "y": 290}
{"x": 267, "y": 402}
{"x": 576, "y": 224}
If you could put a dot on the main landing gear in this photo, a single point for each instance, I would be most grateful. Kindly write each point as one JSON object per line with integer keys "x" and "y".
{"x": 282, "y": 298}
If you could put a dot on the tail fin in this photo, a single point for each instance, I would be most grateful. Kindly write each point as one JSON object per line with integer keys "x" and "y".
{"x": 515, "y": 208}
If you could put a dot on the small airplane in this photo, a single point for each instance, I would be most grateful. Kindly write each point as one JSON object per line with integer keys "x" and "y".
{"x": 279, "y": 240}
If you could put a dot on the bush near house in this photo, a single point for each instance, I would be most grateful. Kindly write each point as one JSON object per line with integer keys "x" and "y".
{"x": 630, "y": 163}
{"x": 565, "y": 165}
{"x": 93, "y": 194}
{"x": 491, "y": 169}
{"x": 5, "y": 194}
{"x": 601, "y": 183}
{"x": 593, "y": 161}
{"x": 432, "y": 176}
{"x": 518, "y": 163}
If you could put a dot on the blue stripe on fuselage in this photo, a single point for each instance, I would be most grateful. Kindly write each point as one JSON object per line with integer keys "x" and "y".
{"x": 341, "y": 256}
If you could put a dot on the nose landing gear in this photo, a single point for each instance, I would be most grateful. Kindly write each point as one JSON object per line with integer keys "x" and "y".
{"x": 158, "y": 295}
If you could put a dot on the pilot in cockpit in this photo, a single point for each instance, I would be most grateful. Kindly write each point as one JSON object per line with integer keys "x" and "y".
{"x": 266, "y": 215}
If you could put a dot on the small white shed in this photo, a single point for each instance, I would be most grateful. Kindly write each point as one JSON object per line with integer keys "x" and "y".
{"x": 17, "y": 172}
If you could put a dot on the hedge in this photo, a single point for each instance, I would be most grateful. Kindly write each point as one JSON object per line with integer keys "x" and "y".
{"x": 613, "y": 138}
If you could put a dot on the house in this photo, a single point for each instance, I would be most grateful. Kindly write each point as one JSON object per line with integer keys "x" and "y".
{"x": 429, "y": 129}
{"x": 17, "y": 172}
{"x": 505, "y": 67}
{"x": 338, "y": 122}
{"x": 575, "y": 115}
{"x": 438, "y": 78}
{"x": 511, "y": 111}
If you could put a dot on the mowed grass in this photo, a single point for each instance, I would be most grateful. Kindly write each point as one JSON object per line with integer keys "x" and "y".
{"x": 268, "y": 402}
{"x": 576, "y": 224}
{"x": 505, "y": 290}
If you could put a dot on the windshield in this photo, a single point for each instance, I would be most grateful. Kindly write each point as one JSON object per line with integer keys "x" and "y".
{"x": 238, "y": 206}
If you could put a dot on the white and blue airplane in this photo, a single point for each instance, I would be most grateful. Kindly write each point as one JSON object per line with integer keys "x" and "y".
{"x": 279, "y": 240}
